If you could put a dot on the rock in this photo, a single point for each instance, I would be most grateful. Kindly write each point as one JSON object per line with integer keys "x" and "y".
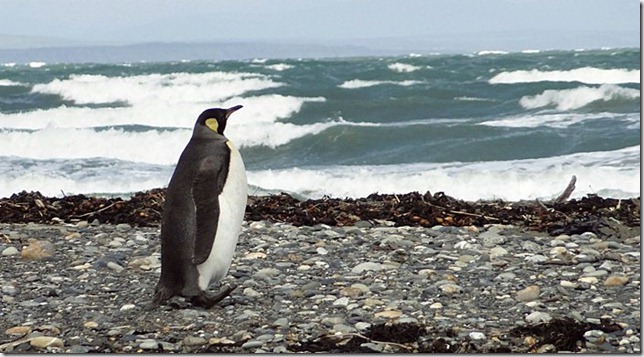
{"x": 123, "y": 227}
{"x": 477, "y": 335}
{"x": 252, "y": 344}
{"x": 127, "y": 307}
{"x": 537, "y": 317}
{"x": 589, "y": 280}
{"x": 38, "y": 250}
{"x": 390, "y": 314}
{"x": 616, "y": 280}
{"x": 46, "y": 341}
{"x": 497, "y": 252}
{"x": 114, "y": 266}
{"x": 351, "y": 291}
{"x": 451, "y": 289}
{"x": 250, "y": 292}
{"x": 528, "y": 294}
{"x": 149, "y": 345}
{"x": 343, "y": 301}
{"x": 18, "y": 330}
{"x": 221, "y": 341}
{"x": 254, "y": 255}
{"x": 10, "y": 251}
{"x": 282, "y": 322}
{"x": 266, "y": 273}
{"x": 90, "y": 324}
{"x": 367, "y": 266}
{"x": 194, "y": 341}
{"x": 362, "y": 326}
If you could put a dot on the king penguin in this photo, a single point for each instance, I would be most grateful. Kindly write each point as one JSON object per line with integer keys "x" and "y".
{"x": 202, "y": 215}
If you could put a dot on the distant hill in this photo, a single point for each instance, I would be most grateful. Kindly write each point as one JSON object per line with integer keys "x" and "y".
{"x": 155, "y": 52}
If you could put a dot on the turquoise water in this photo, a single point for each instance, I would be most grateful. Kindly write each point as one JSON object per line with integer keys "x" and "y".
{"x": 487, "y": 125}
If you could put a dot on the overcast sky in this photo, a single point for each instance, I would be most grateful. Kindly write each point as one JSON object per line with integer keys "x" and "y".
{"x": 133, "y": 21}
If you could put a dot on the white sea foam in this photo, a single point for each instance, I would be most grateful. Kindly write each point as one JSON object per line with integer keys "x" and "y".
{"x": 403, "y": 67}
{"x": 252, "y": 127}
{"x": 567, "y": 99}
{"x": 613, "y": 173}
{"x": 530, "y": 51}
{"x": 55, "y": 177}
{"x": 10, "y": 83}
{"x": 473, "y": 99}
{"x": 37, "y": 64}
{"x": 9, "y": 64}
{"x": 359, "y": 83}
{"x": 280, "y": 67}
{"x": 492, "y": 52}
{"x": 155, "y": 88}
{"x": 589, "y": 75}
{"x": 561, "y": 120}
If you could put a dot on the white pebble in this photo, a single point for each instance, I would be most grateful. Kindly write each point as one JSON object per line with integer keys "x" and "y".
{"x": 127, "y": 307}
{"x": 477, "y": 335}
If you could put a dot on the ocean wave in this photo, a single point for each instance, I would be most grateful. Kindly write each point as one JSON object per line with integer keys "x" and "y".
{"x": 155, "y": 88}
{"x": 567, "y": 99}
{"x": 10, "y": 83}
{"x": 265, "y": 108}
{"x": 87, "y": 136}
{"x": 492, "y": 52}
{"x": 403, "y": 67}
{"x": 36, "y": 64}
{"x": 280, "y": 67}
{"x": 589, "y": 75}
{"x": 560, "y": 120}
{"x": 359, "y": 83}
{"x": 615, "y": 173}
{"x": 101, "y": 176}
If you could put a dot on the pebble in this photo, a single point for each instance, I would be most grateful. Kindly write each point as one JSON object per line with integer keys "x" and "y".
{"x": 18, "y": 330}
{"x": 301, "y": 283}
{"x": 538, "y": 317}
{"x": 37, "y": 250}
{"x": 367, "y": 266}
{"x": 252, "y": 344}
{"x": 616, "y": 280}
{"x": 10, "y": 251}
{"x": 194, "y": 341}
{"x": 528, "y": 294}
{"x": 46, "y": 341}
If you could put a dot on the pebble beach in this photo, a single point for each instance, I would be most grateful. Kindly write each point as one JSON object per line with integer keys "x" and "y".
{"x": 82, "y": 286}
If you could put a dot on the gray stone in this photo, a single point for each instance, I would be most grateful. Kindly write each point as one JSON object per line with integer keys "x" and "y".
{"x": 10, "y": 251}
{"x": 252, "y": 344}
{"x": 367, "y": 266}
{"x": 537, "y": 317}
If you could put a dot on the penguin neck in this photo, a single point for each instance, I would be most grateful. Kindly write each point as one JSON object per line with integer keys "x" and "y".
{"x": 207, "y": 134}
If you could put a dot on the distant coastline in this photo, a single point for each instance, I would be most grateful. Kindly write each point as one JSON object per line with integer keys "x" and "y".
{"x": 17, "y": 49}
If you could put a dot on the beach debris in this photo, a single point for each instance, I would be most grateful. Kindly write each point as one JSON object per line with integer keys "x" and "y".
{"x": 591, "y": 213}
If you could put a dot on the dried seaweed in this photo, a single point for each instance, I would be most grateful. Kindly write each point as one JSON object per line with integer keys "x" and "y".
{"x": 591, "y": 213}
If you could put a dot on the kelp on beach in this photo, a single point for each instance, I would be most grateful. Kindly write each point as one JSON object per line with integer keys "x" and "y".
{"x": 588, "y": 214}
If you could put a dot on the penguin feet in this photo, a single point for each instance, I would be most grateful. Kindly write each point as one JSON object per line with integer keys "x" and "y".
{"x": 162, "y": 294}
{"x": 207, "y": 301}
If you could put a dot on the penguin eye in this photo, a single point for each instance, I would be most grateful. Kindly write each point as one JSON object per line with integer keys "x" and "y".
{"x": 213, "y": 124}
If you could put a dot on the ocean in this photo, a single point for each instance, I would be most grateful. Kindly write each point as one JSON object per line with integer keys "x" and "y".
{"x": 486, "y": 125}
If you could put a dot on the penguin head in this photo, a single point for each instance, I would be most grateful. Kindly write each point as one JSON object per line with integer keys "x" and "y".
{"x": 214, "y": 119}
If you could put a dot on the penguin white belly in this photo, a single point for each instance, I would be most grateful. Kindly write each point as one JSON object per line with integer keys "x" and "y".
{"x": 232, "y": 206}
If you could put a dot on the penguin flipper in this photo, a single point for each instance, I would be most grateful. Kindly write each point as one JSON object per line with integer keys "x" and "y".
{"x": 207, "y": 186}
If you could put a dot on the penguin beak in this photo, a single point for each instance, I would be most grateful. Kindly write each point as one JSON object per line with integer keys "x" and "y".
{"x": 232, "y": 110}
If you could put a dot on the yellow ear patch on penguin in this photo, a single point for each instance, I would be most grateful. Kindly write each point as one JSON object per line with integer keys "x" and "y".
{"x": 213, "y": 124}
